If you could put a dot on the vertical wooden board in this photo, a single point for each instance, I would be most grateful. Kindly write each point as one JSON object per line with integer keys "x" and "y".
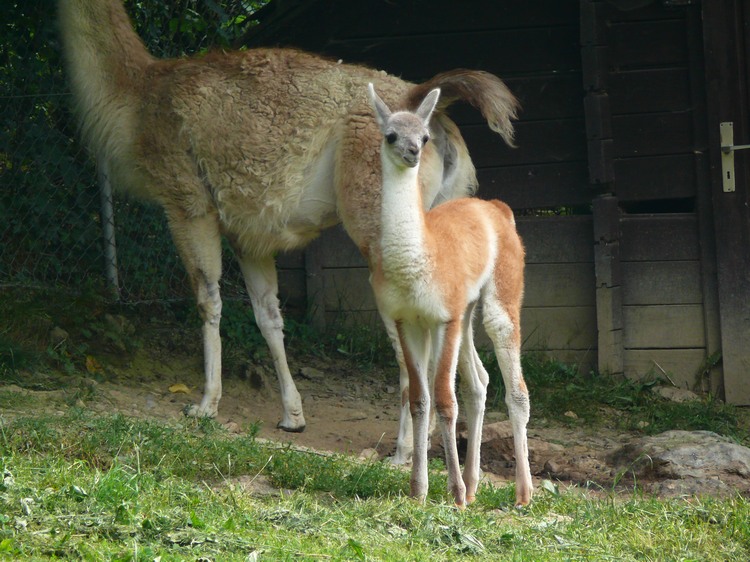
{"x": 639, "y": 44}
{"x": 348, "y": 289}
{"x": 682, "y": 366}
{"x": 714, "y": 379}
{"x": 660, "y": 237}
{"x": 609, "y": 321}
{"x": 594, "y": 62}
{"x": 338, "y": 250}
{"x": 656, "y": 177}
{"x": 664, "y": 326}
{"x": 561, "y": 328}
{"x": 536, "y": 186}
{"x": 606, "y": 224}
{"x": 598, "y": 114}
{"x": 667, "y": 282}
{"x": 538, "y": 142}
{"x": 609, "y": 314}
{"x": 650, "y": 90}
{"x": 727, "y": 68}
{"x": 652, "y": 134}
{"x": 563, "y": 284}
{"x": 601, "y": 169}
{"x": 565, "y": 239}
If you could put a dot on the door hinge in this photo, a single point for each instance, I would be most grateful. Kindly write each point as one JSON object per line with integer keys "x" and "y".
{"x": 726, "y": 134}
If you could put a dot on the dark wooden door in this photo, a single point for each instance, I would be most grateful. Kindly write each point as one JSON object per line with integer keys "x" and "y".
{"x": 726, "y": 25}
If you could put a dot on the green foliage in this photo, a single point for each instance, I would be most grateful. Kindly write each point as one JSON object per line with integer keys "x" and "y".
{"x": 85, "y": 320}
{"x": 14, "y": 358}
{"x": 44, "y": 191}
{"x": 196, "y": 26}
{"x": 367, "y": 344}
{"x": 240, "y": 332}
{"x": 50, "y": 226}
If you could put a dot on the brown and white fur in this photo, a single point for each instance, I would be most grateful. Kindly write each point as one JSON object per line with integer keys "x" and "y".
{"x": 227, "y": 145}
{"x": 432, "y": 269}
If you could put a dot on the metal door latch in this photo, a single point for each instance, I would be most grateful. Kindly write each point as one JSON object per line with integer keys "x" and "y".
{"x": 726, "y": 131}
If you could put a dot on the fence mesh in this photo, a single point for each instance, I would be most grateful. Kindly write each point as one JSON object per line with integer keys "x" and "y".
{"x": 51, "y": 226}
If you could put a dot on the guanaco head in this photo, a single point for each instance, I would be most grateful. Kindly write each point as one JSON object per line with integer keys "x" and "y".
{"x": 404, "y": 133}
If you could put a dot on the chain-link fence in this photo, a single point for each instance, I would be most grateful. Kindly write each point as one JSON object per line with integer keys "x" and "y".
{"x": 52, "y": 217}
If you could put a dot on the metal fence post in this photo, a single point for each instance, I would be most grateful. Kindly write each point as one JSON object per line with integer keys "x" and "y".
{"x": 108, "y": 230}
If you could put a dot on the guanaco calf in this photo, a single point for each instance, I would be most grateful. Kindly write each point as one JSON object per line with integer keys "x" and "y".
{"x": 432, "y": 269}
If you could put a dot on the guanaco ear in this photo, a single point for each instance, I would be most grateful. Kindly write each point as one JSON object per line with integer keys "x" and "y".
{"x": 425, "y": 109}
{"x": 382, "y": 113}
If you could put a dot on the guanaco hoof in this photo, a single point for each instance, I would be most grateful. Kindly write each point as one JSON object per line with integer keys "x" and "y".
{"x": 298, "y": 429}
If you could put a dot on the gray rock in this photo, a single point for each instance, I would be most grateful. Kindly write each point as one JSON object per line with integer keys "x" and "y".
{"x": 700, "y": 461}
{"x": 119, "y": 324}
{"x": 261, "y": 380}
{"x": 369, "y": 455}
{"x": 690, "y": 487}
{"x": 57, "y": 335}
{"x": 312, "y": 373}
{"x": 675, "y": 394}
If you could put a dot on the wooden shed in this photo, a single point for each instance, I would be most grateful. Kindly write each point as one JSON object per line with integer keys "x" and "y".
{"x": 635, "y": 220}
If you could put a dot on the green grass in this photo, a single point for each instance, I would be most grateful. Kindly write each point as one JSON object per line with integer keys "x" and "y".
{"x": 113, "y": 488}
{"x": 81, "y": 487}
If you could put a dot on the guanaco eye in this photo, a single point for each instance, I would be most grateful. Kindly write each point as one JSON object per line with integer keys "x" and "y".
{"x": 425, "y": 139}
{"x": 390, "y": 138}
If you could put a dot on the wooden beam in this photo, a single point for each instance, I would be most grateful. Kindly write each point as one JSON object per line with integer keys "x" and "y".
{"x": 596, "y": 107}
{"x": 606, "y": 239}
{"x": 712, "y": 377}
{"x": 315, "y": 282}
{"x": 607, "y": 269}
{"x": 725, "y": 41}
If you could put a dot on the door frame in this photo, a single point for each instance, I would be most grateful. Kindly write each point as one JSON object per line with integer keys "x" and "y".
{"x": 726, "y": 69}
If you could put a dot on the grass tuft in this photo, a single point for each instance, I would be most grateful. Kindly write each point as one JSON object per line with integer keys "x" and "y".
{"x": 114, "y": 488}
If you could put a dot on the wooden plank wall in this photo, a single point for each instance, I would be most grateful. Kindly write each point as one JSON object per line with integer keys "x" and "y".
{"x": 658, "y": 160}
{"x": 655, "y": 155}
{"x": 559, "y": 313}
{"x": 663, "y": 312}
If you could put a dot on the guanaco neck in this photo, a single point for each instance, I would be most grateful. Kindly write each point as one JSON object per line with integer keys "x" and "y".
{"x": 403, "y": 235}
